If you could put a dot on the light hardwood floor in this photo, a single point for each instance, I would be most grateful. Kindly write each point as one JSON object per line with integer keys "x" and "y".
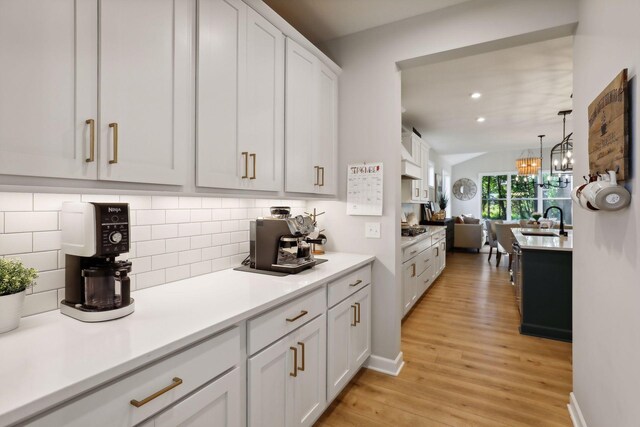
{"x": 465, "y": 362}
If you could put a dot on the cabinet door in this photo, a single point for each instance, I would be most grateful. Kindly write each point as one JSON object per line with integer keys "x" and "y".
{"x": 222, "y": 35}
{"x": 340, "y": 320}
{"x": 145, "y": 90}
{"x": 326, "y": 145}
{"x": 262, "y": 109}
{"x": 443, "y": 254}
{"x": 408, "y": 285}
{"x": 416, "y": 184}
{"x": 361, "y": 333}
{"x": 424, "y": 154}
{"x": 310, "y": 384}
{"x": 301, "y": 175}
{"x": 425, "y": 280}
{"x": 48, "y": 87}
{"x": 270, "y": 388}
{"x": 217, "y": 404}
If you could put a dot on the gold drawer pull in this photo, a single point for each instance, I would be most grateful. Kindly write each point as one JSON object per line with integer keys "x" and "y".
{"x": 355, "y": 322}
{"x": 295, "y": 362}
{"x": 293, "y": 319}
{"x": 176, "y": 382}
{"x": 356, "y": 284}
{"x": 317, "y": 168}
{"x": 245, "y": 154}
{"x": 92, "y": 140}
{"x": 358, "y": 318}
{"x": 322, "y": 169}
{"x": 414, "y": 270}
{"x": 253, "y": 156}
{"x": 115, "y": 143}
{"x": 301, "y": 344}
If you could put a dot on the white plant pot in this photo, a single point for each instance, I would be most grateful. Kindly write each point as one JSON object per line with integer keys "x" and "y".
{"x": 11, "y": 311}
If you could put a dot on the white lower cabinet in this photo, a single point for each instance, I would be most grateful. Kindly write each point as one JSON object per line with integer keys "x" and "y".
{"x": 409, "y": 285}
{"x": 349, "y": 339}
{"x": 422, "y": 265}
{"x": 218, "y": 404}
{"x": 287, "y": 380}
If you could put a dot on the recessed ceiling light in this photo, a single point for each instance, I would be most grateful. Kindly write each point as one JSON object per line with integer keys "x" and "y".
{"x": 480, "y": 119}
{"x": 475, "y": 95}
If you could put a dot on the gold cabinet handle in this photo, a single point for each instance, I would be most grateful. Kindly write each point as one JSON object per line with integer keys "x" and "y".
{"x": 295, "y": 362}
{"x": 92, "y": 140}
{"x": 354, "y": 322}
{"x": 293, "y": 319}
{"x": 115, "y": 143}
{"x": 322, "y": 182}
{"x": 253, "y": 156}
{"x": 245, "y": 154}
{"x": 414, "y": 270}
{"x": 356, "y": 284}
{"x": 301, "y": 344}
{"x": 358, "y": 310}
{"x": 317, "y": 168}
{"x": 175, "y": 383}
{"x": 417, "y": 192}
{"x": 426, "y": 194}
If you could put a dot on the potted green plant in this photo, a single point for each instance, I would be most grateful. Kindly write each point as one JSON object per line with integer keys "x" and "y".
{"x": 443, "y": 201}
{"x": 15, "y": 278}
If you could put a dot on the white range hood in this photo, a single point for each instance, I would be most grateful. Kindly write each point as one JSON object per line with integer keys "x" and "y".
{"x": 409, "y": 168}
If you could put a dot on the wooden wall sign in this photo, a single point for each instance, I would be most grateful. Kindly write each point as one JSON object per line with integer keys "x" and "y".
{"x": 609, "y": 129}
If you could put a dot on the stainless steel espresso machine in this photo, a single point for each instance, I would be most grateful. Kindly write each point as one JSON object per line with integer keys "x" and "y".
{"x": 97, "y": 287}
{"x": 281, "y": 244}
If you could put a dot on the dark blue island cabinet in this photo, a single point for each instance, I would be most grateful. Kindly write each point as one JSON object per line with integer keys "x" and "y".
{"x": 545, "y": 293}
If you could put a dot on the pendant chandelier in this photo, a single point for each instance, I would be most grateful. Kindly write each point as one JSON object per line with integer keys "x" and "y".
{"x": 562, "y": 153}
{"x": 528, "y": 165}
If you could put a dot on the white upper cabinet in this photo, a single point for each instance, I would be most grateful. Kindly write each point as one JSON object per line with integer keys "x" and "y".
{"x": 311, "y": 123}
{"x": 240, "y": 107}
{"x": 145, "y": 90}
{"x": 48, "y": 87}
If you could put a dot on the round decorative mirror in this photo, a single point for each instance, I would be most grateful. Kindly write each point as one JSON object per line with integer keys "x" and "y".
{"x": 464, "y": 189}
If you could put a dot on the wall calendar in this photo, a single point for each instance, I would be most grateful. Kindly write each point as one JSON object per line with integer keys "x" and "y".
{"x": 364, "y": 189}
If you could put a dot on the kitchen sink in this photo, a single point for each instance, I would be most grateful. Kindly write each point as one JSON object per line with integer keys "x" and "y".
{"x": 539, "y": 233}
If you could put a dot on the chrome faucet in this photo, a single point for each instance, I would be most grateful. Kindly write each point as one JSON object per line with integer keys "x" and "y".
{"x": 562, "y": 232}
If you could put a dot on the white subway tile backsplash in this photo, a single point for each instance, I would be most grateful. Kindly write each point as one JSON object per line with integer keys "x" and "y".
{"x": 15, "y": 243}
{"x": 178, "y": 244}
{"x": 52, "y": 202}
{"x": 163, "y": 261}
{"x": 178, "y": 273}
{"x": 17, "y": 222}
{"x": 178, "y": 216}
{"x": 40, "y": 302}
{"x": 47, "y": 240}
{"x": 189, "y": 229}
{"x": 172, "y": 237}
{"x": 164, "y": 231}
{"x": 152, "y": 247}
{"x": 189, "y": 202}
{"x": 41, "y": 261}
{"x": 150, "y": 278}
{"x": 149, "y": 217}
{"x": 189, "y": 257}
{"x": 16, "y": 202}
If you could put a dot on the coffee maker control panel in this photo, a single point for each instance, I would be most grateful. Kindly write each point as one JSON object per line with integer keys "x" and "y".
{"x": 112, "y": 233}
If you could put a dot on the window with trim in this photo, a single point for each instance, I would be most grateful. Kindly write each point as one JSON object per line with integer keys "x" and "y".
{"x": 508, "y": 196}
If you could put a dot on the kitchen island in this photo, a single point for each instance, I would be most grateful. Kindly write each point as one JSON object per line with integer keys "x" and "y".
{"x": 542, "y": 275}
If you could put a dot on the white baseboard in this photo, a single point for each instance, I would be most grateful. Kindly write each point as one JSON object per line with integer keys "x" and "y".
{"x": 575, "y": 413}
{"x": 384, "y": 365}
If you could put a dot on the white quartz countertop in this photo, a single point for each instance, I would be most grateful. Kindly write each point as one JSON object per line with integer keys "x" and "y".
{"x": 406, "y": 241}
{"x": 543, "y": 242}
{"x": 51, "y": 357}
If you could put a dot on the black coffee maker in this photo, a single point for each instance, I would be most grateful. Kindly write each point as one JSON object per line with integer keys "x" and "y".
{"x": 97, "y": 286}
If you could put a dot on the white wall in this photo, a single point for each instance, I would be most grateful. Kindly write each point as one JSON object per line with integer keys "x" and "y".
{"x": 499, "y": 161}
{"x": 370, "y": 120}
{"x": 606, "y": 256}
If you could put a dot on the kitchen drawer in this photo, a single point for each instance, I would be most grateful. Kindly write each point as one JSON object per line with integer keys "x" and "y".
{"x": 439, "y": 235}
{"x": 276, "y": 323}
{"x": 425, "y": 280}
{"x": 343, "y": 287}
{"x": 112, "y": 404}
{"x": 424, "y": 261}
{"x": 415, "y": 249}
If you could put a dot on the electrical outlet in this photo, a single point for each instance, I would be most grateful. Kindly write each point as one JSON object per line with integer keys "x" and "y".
{"x": 372, "y": 230}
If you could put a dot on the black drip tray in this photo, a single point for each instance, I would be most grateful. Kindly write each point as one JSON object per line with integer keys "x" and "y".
{"x": 248, "y": 269}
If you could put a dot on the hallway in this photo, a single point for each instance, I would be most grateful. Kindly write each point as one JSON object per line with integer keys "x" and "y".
{"x": 465, "y": 362}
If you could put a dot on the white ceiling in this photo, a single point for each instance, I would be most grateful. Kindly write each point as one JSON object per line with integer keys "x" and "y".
{"x": 523, "y": 88}
{"x": 322, "y": 20}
